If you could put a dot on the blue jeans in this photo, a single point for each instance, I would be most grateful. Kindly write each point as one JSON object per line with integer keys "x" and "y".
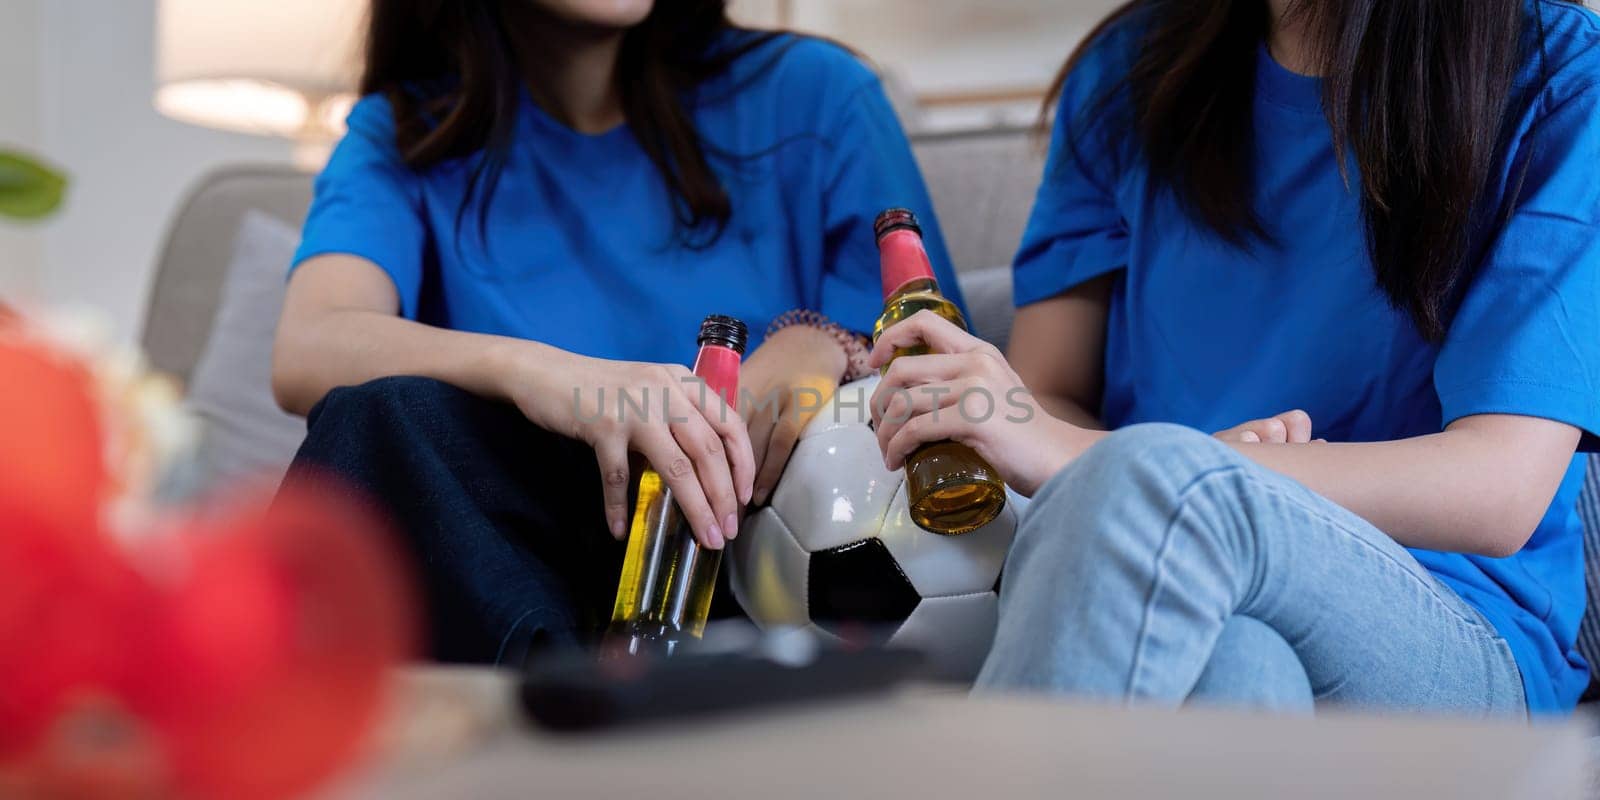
{"x": 1164, "y": 567}
{"x": 502, "y": 519}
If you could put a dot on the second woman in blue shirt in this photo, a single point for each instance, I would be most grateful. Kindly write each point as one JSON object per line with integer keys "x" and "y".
{"x": 1376, "y": 224}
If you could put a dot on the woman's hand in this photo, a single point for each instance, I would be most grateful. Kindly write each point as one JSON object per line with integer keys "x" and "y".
{"x": 785, "y": 382}
{"x": 1290, "y": 427}
{"x": 964, "y": 390}
{"x": 695, "y": 441}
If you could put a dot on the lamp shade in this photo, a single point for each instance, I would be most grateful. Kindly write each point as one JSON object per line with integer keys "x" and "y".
{"x": 277, "y": 67}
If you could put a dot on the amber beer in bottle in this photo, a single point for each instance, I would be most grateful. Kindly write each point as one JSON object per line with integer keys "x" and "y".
{"x": 950, "y": 489}
{"x": 667, "y": 577}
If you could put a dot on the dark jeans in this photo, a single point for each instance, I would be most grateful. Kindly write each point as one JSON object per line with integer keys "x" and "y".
{"x": 503, "y": 519}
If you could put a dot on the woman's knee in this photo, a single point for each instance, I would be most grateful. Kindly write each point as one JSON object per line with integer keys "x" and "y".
{"x": 1131, "y": 456}
{"x": 1119, "y": 501}
{"x": 404, "y": 398}
{"x": 1138, "y": 468}
{"x": 360, "y": 428}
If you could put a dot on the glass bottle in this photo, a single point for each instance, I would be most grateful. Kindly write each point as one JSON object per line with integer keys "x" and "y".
{"x": 950, "y": 489}
{"x": 667, "y": 581}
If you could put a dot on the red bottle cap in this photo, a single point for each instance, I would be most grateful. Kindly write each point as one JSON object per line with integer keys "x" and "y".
{"x": 900, "y": 252}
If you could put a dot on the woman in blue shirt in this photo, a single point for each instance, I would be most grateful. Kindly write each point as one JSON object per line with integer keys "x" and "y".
{"x": 536, "y": 204}
{"x": 1385, "y": 216}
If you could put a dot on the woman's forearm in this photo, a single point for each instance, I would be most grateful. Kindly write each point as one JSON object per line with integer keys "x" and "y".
{"x": 316, "y": 352}
{"x": 1481, "y": 486}
{"x": 341, "y": 326}
{"x": 1452, "y": 491}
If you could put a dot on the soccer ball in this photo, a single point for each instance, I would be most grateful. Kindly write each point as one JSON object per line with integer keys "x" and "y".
{"x": 836, "y": 550}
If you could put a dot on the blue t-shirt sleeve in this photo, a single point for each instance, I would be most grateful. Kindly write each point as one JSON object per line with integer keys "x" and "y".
{"x": 870, "y": 168}
{"x": 1526, "y": 338}
{"x": 1076, "y": 231}
{"x": 367, "y": 203}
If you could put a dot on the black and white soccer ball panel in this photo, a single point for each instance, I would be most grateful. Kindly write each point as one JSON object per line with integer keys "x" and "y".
{"x": 836, "y": 550}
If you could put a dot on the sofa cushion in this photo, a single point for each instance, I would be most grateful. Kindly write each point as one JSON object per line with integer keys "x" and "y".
{"x": 187, "y": 289}
{"x": 982, "y": 185}
{"x": 244, "y": 433}
{"x": 988, "y": 295}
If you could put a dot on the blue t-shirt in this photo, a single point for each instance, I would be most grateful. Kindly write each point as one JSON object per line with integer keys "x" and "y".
{"x": 581, "y": 250}
{"x": 1209, "y": 335}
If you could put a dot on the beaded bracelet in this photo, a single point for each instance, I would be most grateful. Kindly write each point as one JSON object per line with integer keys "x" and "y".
{"x": 854, "y": 344}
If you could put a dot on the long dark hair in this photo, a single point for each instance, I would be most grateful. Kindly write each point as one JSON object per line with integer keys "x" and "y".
{"x": 449, "y": 71}
{"x": 1415, "y": 90}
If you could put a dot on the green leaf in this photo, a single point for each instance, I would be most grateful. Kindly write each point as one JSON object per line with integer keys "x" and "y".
{"x": 28, "y": 189}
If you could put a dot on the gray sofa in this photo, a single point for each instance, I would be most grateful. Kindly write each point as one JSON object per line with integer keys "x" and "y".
{"x": 982, "y": 186}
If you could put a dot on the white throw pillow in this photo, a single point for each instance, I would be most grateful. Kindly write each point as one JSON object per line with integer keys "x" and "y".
{"x": 244, "y": 433}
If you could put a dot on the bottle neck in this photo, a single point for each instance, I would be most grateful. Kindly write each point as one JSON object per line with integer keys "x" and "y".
{"x": 915, "y": 286}
{"x": 718, "y": 366}
{"x": 903, "y": 259}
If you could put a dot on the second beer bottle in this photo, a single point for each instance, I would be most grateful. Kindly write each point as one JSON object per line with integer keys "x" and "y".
{"x": 950, "y": 489}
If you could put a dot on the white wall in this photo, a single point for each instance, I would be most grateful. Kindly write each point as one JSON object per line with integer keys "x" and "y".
{"x": 20, "y": 246}
{"x": 129, "y": 166}
{"x": 957, "y": 46}
{"x": 951, "y": 63}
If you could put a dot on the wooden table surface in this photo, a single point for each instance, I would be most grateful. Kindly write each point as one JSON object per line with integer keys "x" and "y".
{"x": 455, "y": 733}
